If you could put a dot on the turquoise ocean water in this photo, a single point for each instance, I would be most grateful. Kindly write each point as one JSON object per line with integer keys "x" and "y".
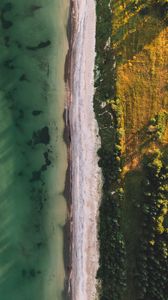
{"x": 33, "y": 158}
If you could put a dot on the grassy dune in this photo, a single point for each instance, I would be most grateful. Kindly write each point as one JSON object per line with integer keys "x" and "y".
{"x": 140, "y": 44}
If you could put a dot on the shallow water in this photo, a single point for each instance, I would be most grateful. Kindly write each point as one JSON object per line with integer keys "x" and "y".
{"x": 33, "y": 158}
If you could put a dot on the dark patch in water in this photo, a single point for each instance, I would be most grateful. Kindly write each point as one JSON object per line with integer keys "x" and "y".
{"x": 43, "y": 168}
{"x": 23, "y": 77}
{"x": 37, "y": 227}
{"x": 39, "y": 244}
{"x": 20, "y": 173}
{"x": 21, "y": 114}
{"x": 39, "y": 46}
{"x": 35, "y": 7}
{"x": 36, "y": 176}
{"x": 7, "y": 41}
{"x": 40, "y": 137}
{"x": 19, "y": 45}
{"x": 9, "y": 64}
{"x": 47, "y": 160}
{"x": 6, "y": 24}
{"x": 36, "y": 112}
{"x": 7, "y": 7}
{"x": 30, "y": 273}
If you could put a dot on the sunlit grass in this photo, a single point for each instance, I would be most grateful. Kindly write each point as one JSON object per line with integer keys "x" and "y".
{"x": 139, "y": 39}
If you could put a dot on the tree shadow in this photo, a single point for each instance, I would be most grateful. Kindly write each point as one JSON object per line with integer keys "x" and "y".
{"x": 134, "y": 143}
{"x": 131, "y": 223}
{"x": 141, "y": 140}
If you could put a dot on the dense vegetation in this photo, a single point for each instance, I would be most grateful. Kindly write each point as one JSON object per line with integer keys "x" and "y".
{"x": 152, "y": 276}
{"x": 133, "y": 246}
{"x": 112, "y": 272}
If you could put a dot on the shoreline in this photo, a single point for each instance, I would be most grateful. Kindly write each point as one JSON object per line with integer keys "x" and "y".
{"x": 83, "y": 179}
{"x": 67, "y": 293}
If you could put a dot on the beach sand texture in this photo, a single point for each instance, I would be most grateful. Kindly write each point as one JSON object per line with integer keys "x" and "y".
{"x": 86, "y": 176}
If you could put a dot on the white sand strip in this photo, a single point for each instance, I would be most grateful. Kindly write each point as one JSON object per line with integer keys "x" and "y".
{"x": 86, "y": 176}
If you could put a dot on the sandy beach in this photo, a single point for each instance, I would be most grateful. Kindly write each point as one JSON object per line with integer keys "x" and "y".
{"x": 85, "y": 174}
